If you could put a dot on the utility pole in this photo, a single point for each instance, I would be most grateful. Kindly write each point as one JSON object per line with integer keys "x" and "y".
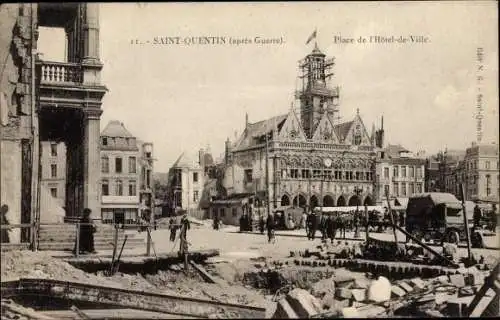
{"x": 466, "y": 223}
{"x": 357, "y": 190}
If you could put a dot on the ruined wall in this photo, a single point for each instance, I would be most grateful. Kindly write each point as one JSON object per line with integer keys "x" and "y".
{"x": 16, "y": 43}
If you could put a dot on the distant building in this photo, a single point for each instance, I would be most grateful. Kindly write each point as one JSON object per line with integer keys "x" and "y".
{"x": 120, "y": 174}
{"x": 146, "y": 185}
{"x": 439, "y": 168}
{"x": 476, "y": 168}
{"x": 53, "y": 165}
{"x": 303, "y": 158}
{"x": 480, "y": 172}
{"x": 186, "y": 182}
{"x": 399, "y": 173}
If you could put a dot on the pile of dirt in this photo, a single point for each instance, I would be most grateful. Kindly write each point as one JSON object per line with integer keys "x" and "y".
{"x": 191, "y": 285}
{"x": 28, "y": 264}
{"x": 233, "y": 272}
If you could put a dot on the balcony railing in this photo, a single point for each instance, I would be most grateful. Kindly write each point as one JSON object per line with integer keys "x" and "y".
{"x": 61, "y": 72}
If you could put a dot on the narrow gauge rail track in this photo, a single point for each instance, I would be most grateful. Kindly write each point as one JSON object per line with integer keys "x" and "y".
{"x": 117, "y": 297}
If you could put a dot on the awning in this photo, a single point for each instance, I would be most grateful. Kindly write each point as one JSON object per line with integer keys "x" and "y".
{"x": 230, "y": 202}
{"x": 120, "y": 206}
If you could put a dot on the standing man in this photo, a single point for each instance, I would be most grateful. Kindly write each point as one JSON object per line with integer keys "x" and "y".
{"x": 87, "y": 230}
{"x": 494, "y": 218}
{"x": 332, "y": 227}
{"x": 261, "y": 223}
{"x": 183, "y": 248}
{"x": 4, "y": 221}
{"x": 356, "y": 220}
{"x": 173, "y": 229}
{"x": 270, "y": 227}
{"x": 216, "y": 222}
{"x": 323, "y": 227}
{"x": 477, "y": 217}
{"x": 314, "y": 225}
{"x": 303, "y": 222}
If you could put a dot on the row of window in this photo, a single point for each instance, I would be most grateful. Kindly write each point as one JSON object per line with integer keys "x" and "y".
{"x": 470, "y": 165}
{"x": 117, "y": 141}
{"x": 412, "y": 172}
{"x": 132, "y": 165}
{"x": 326, "y": 174}
{"x": 119, "y": 189}
{"x": 318, "y": 174}
{"x": 412, "y": 188}
{"x": 110, "y": 216}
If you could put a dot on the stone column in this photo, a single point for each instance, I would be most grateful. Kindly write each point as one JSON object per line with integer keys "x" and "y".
{"x": 91, "y": 161}
{"x": 90, "y": 28}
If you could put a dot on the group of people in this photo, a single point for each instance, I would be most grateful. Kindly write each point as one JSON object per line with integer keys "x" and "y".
{"x": 328, "y": 225}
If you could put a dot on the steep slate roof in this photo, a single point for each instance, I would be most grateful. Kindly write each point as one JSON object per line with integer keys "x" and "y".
{"x": 115, "y": 128}
{"x": 342, "y": 129}
{"x": 258, "y": 129}
{"x": 394, "y": 150}
{"x": 185, "y": 161}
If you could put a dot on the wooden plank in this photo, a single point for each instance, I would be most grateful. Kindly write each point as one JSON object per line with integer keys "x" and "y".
{"x": 113, "y": 314}
{"x": 204, "y": 274}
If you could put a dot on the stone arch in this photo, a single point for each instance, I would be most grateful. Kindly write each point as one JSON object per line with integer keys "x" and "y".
{"x": 354, "y": 201}
{"x": 300, "y": 201}
{"x": 328, "y": 201}
{"x": 313, "y": 201}
{"x": 341, "y": 202}
{"x": 285, "y": 200}
{"x": 368, "y": 201}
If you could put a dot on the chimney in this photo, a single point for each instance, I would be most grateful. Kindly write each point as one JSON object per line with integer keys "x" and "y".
{"x": 246, "y": 120}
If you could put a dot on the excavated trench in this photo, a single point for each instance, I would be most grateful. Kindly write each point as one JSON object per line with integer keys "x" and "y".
{"x": 159, "y": 285}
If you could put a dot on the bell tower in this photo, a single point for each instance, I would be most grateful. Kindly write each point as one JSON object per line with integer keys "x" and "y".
{"x": 315, "y": 95}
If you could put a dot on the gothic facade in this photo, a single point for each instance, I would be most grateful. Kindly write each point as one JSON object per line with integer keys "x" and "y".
{"x": 307, "y": 160}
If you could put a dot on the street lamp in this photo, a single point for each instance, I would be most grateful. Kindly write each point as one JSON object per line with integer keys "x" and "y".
{"x": 357, "y": 190}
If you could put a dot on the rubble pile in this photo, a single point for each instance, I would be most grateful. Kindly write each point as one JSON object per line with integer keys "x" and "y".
{"x": 27, "y": 264}
{"x": 378, "y": 250}
{"x": 362, "y": 297}
{"x": 277, "y": 276}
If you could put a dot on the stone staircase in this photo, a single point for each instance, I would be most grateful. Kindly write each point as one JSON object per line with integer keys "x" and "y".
{"x": 62, "y": 237}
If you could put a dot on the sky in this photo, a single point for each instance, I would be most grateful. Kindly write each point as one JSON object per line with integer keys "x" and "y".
{"x": 183, "y": 97}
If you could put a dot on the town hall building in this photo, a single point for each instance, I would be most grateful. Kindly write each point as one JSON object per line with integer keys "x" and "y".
{"x": 304, "y": 159}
